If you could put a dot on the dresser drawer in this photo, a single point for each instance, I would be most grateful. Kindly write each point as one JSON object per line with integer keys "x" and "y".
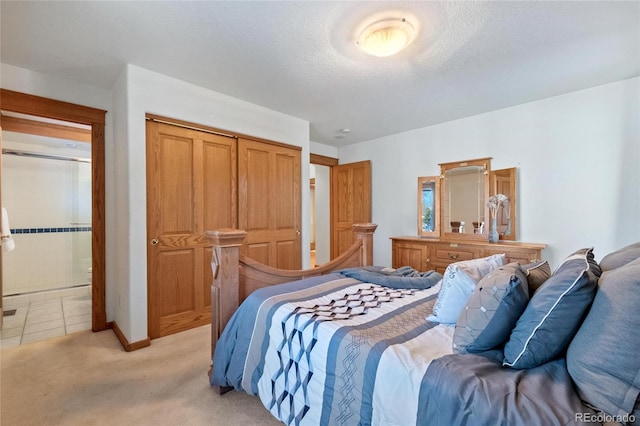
{"x": 522, "y": 256}
{"x": 449, "y": 254}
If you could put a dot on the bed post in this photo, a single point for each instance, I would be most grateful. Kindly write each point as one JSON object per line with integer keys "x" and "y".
{"x": 364, "y": 232}
{"x": 225, "y": 297}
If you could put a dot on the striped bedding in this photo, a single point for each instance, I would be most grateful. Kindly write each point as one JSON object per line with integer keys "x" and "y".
{"x": 333, "y": 350}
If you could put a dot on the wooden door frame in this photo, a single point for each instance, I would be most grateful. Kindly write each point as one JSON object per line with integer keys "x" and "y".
{"x": 49, "y": 108}
{"x": 330, "y": 162}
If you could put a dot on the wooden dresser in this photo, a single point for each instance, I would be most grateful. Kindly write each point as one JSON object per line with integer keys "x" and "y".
{"x": 426, "y": 254}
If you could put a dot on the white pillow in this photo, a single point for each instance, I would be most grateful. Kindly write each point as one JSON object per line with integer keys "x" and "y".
{"x": 478, "y": 268}
{"x": 458, "y": 282}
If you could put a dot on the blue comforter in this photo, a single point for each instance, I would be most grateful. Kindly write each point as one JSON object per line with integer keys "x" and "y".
{"x": 333, "y": 350}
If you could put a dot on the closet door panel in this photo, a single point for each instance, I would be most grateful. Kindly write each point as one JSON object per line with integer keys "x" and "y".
{"x": 255, "y": 183}
{"x": 173, "y": 190}
{"x": 177, "y": 279}
{"x": 285, "y": 191}
{"x": 191, "y": 178}
{"x": 269, "y": 203}
{"x": 220, "y": 183}
{"x": 258, "y": 252}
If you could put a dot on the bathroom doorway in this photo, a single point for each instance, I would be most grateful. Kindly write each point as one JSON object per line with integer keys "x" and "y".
{"x": 46, "y": 187}
{"x": 23, "y": 113}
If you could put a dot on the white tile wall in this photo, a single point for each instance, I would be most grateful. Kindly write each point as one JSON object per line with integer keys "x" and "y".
{"x": 43, "y": 193}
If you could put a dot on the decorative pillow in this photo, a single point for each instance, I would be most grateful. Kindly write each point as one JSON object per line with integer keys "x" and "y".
{"x": 492, "y": 311}
{"x": 554, "y": 312}
{"x": 537, "y": 273}
{"x": 478, "y": 268}
{"x": 602, "y": 358}
{"x": 458, "y": 282}
{"x": 620, "y": 257}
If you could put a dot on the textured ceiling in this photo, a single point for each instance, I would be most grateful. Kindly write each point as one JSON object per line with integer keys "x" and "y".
{"x": 299, "y": 57}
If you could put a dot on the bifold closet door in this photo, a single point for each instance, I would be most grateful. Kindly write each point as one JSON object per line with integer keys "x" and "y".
{"x": 269, "y": 206}
{"x": 191, "y": 187}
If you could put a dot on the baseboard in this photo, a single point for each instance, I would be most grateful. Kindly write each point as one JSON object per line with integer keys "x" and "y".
{"x": 128, "y": 347}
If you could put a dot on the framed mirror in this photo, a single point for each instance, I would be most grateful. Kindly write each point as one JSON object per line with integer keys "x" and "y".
{"x": 503, "y": 181}
{"x": 464, "y": 190}
{"x": 428, "y": 206}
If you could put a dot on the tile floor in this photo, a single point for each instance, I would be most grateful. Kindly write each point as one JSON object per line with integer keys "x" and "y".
{"x": 44, "y": 315}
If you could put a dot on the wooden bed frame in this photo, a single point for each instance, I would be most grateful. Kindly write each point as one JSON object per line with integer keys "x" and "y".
{"x": 235, "y": 276}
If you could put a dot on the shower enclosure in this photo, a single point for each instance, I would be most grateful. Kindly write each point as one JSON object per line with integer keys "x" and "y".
{"x": 46, "y": 189}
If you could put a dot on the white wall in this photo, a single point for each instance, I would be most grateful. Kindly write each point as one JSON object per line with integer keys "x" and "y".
{"x": 118, "y": 261}
{"x": 578, "y": 158}
{"x": 322, "y": 214}
{"x": 149, "y": 92}
{"x": 35, "y": 83}
{"x": 322, "y": 149}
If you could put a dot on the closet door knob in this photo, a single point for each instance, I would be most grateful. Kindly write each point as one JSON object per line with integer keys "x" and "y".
{"x": 155, "y": 242}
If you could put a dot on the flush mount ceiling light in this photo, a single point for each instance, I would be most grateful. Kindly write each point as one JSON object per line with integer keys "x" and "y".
{"x": 342, "y": 133}
{"x": 387, "y": 36}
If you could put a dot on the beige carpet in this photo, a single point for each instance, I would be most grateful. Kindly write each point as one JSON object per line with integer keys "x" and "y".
{"x": 88, "y": 379}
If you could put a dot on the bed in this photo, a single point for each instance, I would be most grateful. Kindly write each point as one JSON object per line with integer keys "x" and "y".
{"x": 356, "y": 347}
{"x": 236, "y": 276}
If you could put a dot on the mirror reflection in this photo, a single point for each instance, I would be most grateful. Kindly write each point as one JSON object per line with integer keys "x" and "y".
{"x": 428, "y": 189}
{"x": 504, "y": 182}
{"x": 465, "y": 194}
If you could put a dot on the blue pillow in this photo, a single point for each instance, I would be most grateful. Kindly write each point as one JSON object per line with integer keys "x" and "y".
{"x": 602, "y": 358}
{"x": 492, "y": 311}
{"x": 554, "y": 313}
{"x": 620, "y": 257}
{"x": 537, "y": 273}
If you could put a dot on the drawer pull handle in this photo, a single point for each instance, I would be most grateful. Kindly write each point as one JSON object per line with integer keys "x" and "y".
{"x": 454, "y": 256}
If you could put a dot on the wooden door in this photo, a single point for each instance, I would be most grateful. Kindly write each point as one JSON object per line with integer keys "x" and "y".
{"x": 350, "y": 202}
{"x": 269, "y": 194}
{"x": 191, "y": 187}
